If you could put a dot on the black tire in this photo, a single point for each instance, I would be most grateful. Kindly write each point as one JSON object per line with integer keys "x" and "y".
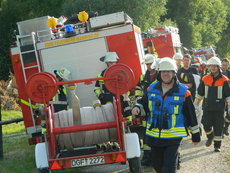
{"x": 44, "y": 170}
{"x": 135, "y": 165}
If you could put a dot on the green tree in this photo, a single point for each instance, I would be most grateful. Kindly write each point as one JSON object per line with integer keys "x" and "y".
{"x": 223, "y": 46}
{"x": 145, "y": 13}
{"x": 11, "y": 12}
{"x": 200, "y": 22}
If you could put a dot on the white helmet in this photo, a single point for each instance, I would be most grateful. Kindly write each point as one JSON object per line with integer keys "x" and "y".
{"x": 167, "y": 64}
{"x": 110, "y": 57}
{"x": 63, "y": 72}
{"x": 214, "y": 61}
{"x": 149, "y": 58}
{"x": 178, "y": 56}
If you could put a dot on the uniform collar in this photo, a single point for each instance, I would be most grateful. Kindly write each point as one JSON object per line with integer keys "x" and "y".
{"x": 175, "y": 87}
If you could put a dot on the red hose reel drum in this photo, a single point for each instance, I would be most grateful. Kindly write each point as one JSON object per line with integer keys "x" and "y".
{"x": 41, "y": 87}
{"x": 123, "y": 79}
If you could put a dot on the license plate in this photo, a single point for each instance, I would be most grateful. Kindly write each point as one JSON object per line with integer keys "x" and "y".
{"x": 87, "y": 161}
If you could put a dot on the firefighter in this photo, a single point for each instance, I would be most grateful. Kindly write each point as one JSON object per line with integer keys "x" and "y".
{"x": 103, "y": 94}
{"x": 185, "y": 75}
{"x": 146, "y": 79}
{"x": 171, "y": 113}
{"x": 226, "y": 72}
{"x": 60, "y": 100}
{"x": 100, "y": 90}
{"x": 178, "y": 57}
{"x": 203, "y": 70}
{"x": 214, "y": 89}
{"x": 149, "y": 76}
{"x": 196, "y": 63}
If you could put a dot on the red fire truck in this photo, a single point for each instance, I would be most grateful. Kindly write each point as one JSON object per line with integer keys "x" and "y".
{"x": 40, "y": 50}
{"x": 164, "y": 42}
{"x": 204, "y": 53}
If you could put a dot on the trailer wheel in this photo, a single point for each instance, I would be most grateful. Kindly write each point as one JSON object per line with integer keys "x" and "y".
{"x": 135, "y": 165}
{"x": 44, "y": 170}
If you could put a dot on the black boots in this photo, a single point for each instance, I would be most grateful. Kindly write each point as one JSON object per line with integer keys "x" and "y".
{"x": 146, "y": 160}
{"x": 217, "y": 145}
{"x": 225, "y": 131}
{"x": 209, "y": 141}
{"x": 216, "y": 149}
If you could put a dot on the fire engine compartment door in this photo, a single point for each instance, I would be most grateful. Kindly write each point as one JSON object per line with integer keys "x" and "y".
{"x": 82, "y": 59}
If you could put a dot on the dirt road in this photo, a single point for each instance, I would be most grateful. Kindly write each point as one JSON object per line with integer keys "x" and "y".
{"x": 199, "y": 158}
{"x": 194, "y": 159}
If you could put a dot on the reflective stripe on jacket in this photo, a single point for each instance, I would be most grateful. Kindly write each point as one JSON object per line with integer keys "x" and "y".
{"x": 166, "y": 117}
{"x": 99, "y": 84}
{"x": 60, "y": 97}
{"x": 215, "y": 91}
{"x": 144, "y": 83}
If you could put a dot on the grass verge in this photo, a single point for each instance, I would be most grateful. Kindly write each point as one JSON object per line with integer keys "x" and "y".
{"x": 14, "y": 127}
{"x": 18, "y": 155}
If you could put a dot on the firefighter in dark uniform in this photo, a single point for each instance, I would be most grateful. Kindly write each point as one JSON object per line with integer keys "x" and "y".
{"x": 171, "y": 113}
{"x": 60, "y": 100}
{"x": 103, "y": 94}
{"x": 146, "y": 79}
{"x": 149, "y": 76}
{"x": 185, "y": 75}
{"x": 226, "y": 72}
{"x": 214, "y": 88}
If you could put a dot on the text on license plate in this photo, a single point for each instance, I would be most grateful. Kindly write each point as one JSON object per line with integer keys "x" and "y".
{"x": 87, "y": 161}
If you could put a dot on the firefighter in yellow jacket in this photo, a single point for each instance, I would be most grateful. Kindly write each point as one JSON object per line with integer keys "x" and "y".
{"x": 60, "y": 99}
{"x": 103, "y": 94}
{"x": 171, "y": 110}
{"x": 215, "y": 91}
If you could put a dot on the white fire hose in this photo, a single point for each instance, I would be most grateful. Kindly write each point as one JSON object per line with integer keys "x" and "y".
{"x": 88, "y": 115}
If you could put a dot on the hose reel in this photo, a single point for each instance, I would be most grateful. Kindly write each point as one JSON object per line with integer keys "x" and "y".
{"x": 43, "y": 86}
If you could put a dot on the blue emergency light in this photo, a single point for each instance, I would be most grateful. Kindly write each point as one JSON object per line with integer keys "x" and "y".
{"x": 69, "y": 28}
{"x": 69, "y": 31}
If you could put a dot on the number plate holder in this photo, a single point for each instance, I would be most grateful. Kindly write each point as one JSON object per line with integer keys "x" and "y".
{"x": 87, "y": 161}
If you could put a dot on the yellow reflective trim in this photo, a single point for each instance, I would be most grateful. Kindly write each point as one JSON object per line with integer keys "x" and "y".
{"x": 167, "y": 133}
{"x": 129, "y": 118}
{"x": 144, "y": 123}
{"x": 176, "y": 109}
{"x": 139, "y": 93}
{"x": 141, "y": 77}
{"x": 28, "y": 104}
{"x": 173, "y": 120}
{"x": 71, "y": 40}
{"x": 64, "y": 90}
{"x": 97, "y": 91}
{"x": 153, "y": 94}
{"x": 176, "y": 98}
{"x": 150, "y": 106}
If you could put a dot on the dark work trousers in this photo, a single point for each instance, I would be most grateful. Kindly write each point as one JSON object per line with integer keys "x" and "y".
{"x": 59, "y": 107}
{"x": 165, "y": 158}
{"x": 214, "y": 121}
{"x": 227, "y": 118}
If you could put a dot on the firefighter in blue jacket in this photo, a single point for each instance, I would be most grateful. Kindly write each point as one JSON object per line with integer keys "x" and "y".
{"x": 171, "y": 110}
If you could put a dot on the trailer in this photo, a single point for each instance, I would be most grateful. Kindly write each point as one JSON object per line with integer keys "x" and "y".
{"x": 164, "y": 41}
{"x": 39, "y": 51}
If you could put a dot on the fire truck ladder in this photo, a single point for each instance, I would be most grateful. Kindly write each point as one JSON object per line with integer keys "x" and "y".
{"x": 26, "y": 52}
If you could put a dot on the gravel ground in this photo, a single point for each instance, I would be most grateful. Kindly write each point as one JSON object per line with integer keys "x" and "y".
{"x": 194, "y": 159}
{"x": 199, "y": 158}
